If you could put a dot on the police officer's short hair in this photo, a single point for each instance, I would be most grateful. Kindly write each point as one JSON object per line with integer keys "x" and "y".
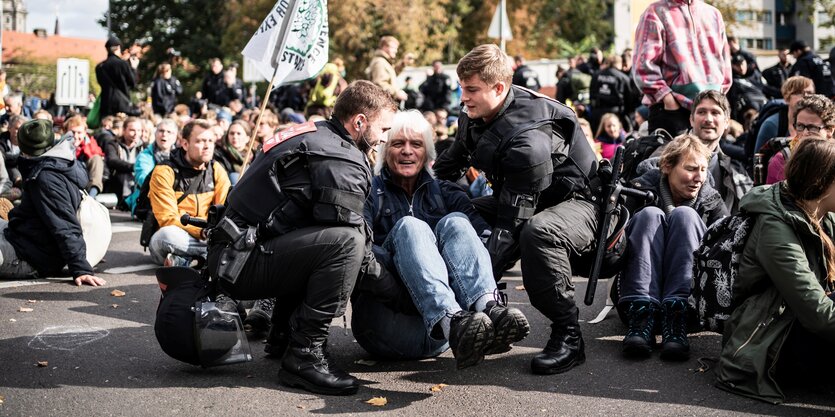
{"x": 488, "y": 62}
{"x": 714, "y": 96}
{"x": 189, "y": 127}
{"x": 362, "y": 97}
{"x": 412, "y": 121}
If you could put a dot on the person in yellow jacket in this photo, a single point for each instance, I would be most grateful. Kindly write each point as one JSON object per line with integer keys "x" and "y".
{"x": 189, "y": 182}
{"x": 329, "y": 84}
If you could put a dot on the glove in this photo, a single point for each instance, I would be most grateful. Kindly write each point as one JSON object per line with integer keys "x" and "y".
{"x": 503, "y": 249}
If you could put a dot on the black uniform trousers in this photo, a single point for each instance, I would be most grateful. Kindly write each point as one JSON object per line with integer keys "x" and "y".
{"x": 549, "y": 242}
{"x": 311, "y": 273}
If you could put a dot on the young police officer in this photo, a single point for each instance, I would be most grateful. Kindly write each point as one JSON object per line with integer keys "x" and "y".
{"x": 299, "y": 234}
{"x": 533, "y": 152}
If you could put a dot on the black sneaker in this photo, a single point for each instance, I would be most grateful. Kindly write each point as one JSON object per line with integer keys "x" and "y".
{"x": 674, "y": 343}
{"x": 509, "y": 326}
{"x": 639, "y": 340}
{"x": 469, "y": 335}
{"x": 259, "y": 318}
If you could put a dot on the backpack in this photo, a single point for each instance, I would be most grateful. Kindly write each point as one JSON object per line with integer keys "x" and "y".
{"x": 580, "y": 86}
{"x": 773, "y": 147}
{"x": 639, "y": 149}
{"x": 715, "y": 267}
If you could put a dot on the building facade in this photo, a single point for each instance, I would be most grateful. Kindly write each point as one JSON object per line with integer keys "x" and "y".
{"x": 14, "y": 15}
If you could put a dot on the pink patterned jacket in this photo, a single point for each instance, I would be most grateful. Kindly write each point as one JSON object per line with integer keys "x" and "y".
{"x": 681, "y": 48}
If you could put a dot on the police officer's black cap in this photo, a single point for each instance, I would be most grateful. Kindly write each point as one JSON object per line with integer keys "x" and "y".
{"x": 737, "y": 59}
{"x": 112, "y": 41}
{"x": 798, "y": 46}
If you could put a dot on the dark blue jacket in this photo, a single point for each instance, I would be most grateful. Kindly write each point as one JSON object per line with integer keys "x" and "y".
{"x": 387, "y": 203}
{"x": 44, "y": 229}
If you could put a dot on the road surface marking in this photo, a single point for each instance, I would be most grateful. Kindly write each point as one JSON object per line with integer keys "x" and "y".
{"x": 122, "y": 228}
{"x": 129, "y": 269}
{"x": 66, "y": 337}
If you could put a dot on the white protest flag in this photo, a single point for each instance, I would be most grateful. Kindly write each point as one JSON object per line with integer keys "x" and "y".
{"x": 292, "y": 41}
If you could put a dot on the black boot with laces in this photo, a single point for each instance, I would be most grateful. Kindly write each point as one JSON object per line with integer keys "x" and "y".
{"x": 674, "y": 344}
{"x": 307, "y": 367}
{"x": 639, "y": 339}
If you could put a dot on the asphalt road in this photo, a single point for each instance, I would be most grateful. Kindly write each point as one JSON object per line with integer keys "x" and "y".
{"x": 83, "y": 351}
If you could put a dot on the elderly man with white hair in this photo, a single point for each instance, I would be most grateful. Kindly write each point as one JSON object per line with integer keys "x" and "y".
{"x": 437, "y": 290}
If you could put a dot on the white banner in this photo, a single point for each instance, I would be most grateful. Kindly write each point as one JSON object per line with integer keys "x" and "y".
{"x": 72, "y": 86}
{"x": 292, "y": 38}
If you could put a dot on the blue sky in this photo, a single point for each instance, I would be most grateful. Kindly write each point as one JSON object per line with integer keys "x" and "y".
{"x": 77, "y": 17}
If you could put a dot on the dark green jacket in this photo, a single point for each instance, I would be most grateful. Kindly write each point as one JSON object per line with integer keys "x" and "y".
{"x": 780, "y": 285}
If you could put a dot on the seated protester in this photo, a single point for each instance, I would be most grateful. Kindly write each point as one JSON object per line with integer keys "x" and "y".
{"x": 88, "y": 152}
{"x": 439, "y": 290}
{"x": 231, "y": 150}
{"x": 8, "y": 145}
{"x": 120, "y": 155}
{"x": 813, "y": 115}
{"x": 781, "y": 125}
{"x": 43, "y": 234}
{"x": 709, "y": 120}
{"x": 111, "y": 128}
{"x": 158, "y": 151}
{"x": 746, "y": 92}
{"x": 658, "y": 271}
{"x": 609, "y": 135}
{"x": 189, "y": 171}
{"x": 783, "y": 290}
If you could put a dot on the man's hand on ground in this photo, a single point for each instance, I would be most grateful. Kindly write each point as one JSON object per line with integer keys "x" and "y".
{"x": 90, "y": 280}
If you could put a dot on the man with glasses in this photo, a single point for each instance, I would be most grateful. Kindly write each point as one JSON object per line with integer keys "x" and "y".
{"x": 814, "y": 116}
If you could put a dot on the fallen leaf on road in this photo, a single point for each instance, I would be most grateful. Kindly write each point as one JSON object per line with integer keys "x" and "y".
{"x": 300, "y": 407}
{"x": 43, "y": 364}
{"x": 378, "y": 401}
{"x": 114, "y": 305}
{"x": 25, "y": 310}
{"x": 520, "y": 288}
{"x": 2, "y": 398}
{"x": 438, "y": 388}
{"x": 117, "y": 293}
{"x": 365, "y": 362}
{"x": 31, "y": 301}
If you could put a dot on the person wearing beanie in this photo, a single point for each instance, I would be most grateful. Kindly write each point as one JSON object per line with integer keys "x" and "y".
{"x": 117, "y": 78}
{"x": 43, "y": 234}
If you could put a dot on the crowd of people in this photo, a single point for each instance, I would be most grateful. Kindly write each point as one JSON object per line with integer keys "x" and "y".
{"x": 385, "y": 195}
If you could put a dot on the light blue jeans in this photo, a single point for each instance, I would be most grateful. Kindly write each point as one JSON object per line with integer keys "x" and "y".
{"x": 445, "y": 271}
{"x": 659, "y": 264}
{"x": 176, "y": 241}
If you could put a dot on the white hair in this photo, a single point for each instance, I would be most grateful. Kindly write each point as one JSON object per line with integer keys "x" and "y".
{"x": 412, "y": 121}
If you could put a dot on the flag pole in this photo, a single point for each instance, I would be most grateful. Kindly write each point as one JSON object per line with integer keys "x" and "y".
{"x": 258, "y": 122}
{"x": 291, "y": 8}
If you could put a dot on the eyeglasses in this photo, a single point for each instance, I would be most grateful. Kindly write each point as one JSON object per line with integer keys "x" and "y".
{"x": 801, "y": 127}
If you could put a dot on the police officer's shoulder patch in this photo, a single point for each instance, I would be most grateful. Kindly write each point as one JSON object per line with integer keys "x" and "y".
{"x": 288, "y": 133}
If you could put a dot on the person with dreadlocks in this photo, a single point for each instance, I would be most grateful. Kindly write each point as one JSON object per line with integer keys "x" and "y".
{"x": 782, "y": 329}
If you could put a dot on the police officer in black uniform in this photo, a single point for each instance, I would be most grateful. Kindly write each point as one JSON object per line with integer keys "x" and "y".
{"x": 810, "y": 65}
{"x": 293, "y": 229}
{"x": 540, "y": 167}
{"x": 610, "y": 91}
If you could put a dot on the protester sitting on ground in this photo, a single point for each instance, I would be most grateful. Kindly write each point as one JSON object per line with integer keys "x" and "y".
{"x": 269, "y": 124}
{"x": 165, "y": 139}
{"x": 585, "y": 126}
{"x": 188, "y": 182}
{"x": 782, "y": 330}
{"x": 781, "y": 124}
{"x": 438, "y": 290}
{"x": 11, "y": 152}
{"x": 657, "y": 275}
{"x": 88, "y": 152}
{"x": 43, "y": 234}
{"x": 609, "y": 135}
{"x": 120, "y": 155}
{"x": 813, "y": 115}
{"x": 231, "y": 150}
{"x": 111, "y": 128}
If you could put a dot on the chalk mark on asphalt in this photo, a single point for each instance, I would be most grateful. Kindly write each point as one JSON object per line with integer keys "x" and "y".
{"x": 66, "y": 337}
{"x": 129, "y": 269}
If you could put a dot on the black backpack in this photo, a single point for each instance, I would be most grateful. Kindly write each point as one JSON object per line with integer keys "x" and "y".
{"x": 767, "y": 110}
{"x": 639, "y": 149}
{"x": 773, "y": 147}
{"x": 715, "y": 267}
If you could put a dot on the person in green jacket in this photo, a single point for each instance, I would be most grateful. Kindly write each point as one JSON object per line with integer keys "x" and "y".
{"x": 783, "y": 324}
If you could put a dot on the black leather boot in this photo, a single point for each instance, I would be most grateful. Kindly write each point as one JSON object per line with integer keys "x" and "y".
{"x": 307, "y": 367}
{"x": 564, "y": 351}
